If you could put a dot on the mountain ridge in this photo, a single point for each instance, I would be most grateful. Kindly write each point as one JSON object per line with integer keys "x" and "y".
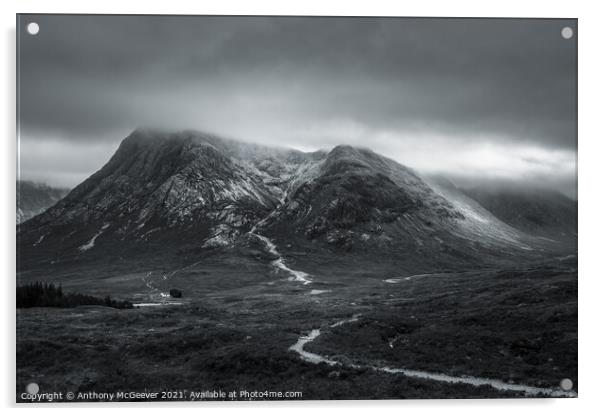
{"x": 191, "y": 192}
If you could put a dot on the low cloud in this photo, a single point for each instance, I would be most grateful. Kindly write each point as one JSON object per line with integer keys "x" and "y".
{"x": 474, "y": 97}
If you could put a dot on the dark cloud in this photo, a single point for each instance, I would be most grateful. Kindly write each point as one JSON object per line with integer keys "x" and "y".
{"x": 305, "y": 82}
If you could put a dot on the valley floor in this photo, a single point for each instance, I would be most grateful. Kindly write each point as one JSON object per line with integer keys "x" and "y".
{"x": 234, "y": 328}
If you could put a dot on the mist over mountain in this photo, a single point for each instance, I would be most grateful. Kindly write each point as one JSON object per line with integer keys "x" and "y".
{"x": 33, "y": 198}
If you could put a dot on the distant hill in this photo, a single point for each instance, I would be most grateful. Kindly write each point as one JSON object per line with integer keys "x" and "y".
{"x": 538, "y": 212}
{"x": 34, "y": 198}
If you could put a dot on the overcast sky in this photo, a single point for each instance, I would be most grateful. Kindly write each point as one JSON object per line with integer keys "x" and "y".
{"x": 474, "y": 99}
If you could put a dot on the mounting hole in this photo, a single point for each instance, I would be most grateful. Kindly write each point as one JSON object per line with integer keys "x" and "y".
{"x": 33, "y": 28}
{"x": 32, "y": 388}
{"x": 567, "y": 32}
{"x": 566, "y": 384}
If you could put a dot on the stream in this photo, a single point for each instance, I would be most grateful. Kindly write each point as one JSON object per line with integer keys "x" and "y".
{"x": 500, "y": 385}
{"x": 279, "y": 263}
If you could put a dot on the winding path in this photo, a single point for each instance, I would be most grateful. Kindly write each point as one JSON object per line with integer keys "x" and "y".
{"x": 500, "y": 385}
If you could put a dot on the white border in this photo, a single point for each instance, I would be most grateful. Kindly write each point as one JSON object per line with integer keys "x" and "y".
{"x": 590, "y": 179}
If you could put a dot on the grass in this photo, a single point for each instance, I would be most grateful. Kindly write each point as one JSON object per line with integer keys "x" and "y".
{"x": 190, "y": 357}
{"x": 519, "y": 327}
{"x": 238, "y": 321}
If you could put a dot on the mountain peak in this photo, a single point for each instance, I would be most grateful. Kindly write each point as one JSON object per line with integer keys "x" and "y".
{"x": 343, "y": 149}
{"x": 152, "y": 135}
{"x": 346, "y": 150}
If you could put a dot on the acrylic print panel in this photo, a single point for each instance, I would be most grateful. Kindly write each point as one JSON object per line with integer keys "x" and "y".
{"x": 296, "y": 208}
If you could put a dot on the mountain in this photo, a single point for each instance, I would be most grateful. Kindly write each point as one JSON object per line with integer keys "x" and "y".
{"x": 534, "y": 211}
{"x": 163, "y": 192}
{"x": 188, "y": 194}
{"x": 357, "y": 201}
{"x": 33, "y": 198}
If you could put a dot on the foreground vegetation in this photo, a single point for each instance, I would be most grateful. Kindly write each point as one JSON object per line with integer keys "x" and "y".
{"x": 517, "y": 326}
